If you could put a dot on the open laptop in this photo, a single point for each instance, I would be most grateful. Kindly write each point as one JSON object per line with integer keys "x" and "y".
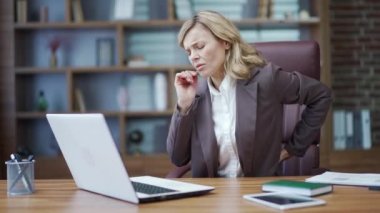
{"x": 96, "y": 166}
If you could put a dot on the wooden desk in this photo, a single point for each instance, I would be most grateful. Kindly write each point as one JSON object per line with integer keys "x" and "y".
{"x": 63, "y": 196}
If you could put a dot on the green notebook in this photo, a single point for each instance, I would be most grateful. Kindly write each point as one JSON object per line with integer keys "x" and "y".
{"x": 297, "y": 187}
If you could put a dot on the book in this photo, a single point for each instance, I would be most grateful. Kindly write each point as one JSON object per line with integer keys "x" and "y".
{"x": 124, "y": 9}
{"x": 77, "y": 11}
{"x": 105, "y": 49}
{"x": 44, "y": 14}
{"x": 297, "y": 187}
{"x": 352, "y": 129}
{"x": 22, "y": 13}
{"x": 79, "y": 104}
{"x": 263, "y": 8}
{"x": 183, "y": 9}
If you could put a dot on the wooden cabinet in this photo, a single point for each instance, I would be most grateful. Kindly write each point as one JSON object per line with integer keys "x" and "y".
{"x": 148, "y": 38}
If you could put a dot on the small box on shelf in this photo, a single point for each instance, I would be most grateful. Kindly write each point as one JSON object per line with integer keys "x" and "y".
{"x": 137, "y": 61}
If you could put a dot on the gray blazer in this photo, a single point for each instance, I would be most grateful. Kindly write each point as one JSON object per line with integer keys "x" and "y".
{"x": 259, "y": 114}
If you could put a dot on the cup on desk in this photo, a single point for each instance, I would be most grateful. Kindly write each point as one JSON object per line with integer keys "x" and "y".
{"x": 20, "y": 177}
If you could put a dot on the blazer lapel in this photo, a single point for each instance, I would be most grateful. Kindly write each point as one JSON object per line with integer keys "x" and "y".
{"x": 206, "y": 133}
{"x": 246, "y": 108}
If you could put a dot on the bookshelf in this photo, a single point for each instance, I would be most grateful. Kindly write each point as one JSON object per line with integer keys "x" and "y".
{"x": 149, "y": 33}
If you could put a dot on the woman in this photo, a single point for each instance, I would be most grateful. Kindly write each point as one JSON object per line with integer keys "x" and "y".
{"x": 228, "y": 121}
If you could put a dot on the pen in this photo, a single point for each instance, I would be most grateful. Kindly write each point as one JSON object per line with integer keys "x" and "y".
{"x": 21, "y": 173}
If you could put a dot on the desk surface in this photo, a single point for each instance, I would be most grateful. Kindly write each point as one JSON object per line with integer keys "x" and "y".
{"x": 63, "y": 196}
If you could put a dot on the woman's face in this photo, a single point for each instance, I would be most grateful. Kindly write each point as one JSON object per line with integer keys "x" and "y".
{"x": 206, "y": 53}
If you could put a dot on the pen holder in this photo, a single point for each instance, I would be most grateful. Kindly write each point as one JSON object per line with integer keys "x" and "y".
{"x": 20, "y": 177}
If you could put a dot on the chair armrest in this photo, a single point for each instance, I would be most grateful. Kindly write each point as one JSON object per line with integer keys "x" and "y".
{"x": 178, "y": 172}
{"x": 306, "y": 165}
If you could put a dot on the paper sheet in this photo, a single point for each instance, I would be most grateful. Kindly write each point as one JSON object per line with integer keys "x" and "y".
{"x": 354, "y": 179}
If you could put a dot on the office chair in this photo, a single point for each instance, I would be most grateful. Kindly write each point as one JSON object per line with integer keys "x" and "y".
{"x": 304, "y": 57}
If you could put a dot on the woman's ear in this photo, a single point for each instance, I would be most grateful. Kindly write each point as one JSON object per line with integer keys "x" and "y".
{"x": 227, "y": 45}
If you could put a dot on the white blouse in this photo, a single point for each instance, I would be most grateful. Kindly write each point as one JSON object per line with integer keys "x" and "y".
{"x": 224, "y": 117}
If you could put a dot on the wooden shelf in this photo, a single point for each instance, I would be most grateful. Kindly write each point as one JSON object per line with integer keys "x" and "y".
{"x": 32, "y": 115}
{"x": 153, "y": 164}
{"x": 38, "y": 70}
{"x": 163, "y": 68}
{"x": 98, "y": 24}
{"x": 276, "y": 22}
{"x": 142, "y": 114}
{"x": 46, "y": 70}
{"x": 149, "y": 113}
{"x": 151, "y": 24}
{"x": 64, "y": 25}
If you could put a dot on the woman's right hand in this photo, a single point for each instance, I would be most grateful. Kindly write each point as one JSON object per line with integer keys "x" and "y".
{"x": 185, "y": 84}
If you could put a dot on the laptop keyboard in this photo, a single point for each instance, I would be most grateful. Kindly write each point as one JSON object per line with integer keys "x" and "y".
{"x": 149, "y": 189}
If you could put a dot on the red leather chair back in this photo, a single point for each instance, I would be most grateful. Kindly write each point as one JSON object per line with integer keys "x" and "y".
{"x": 304, "y": 57}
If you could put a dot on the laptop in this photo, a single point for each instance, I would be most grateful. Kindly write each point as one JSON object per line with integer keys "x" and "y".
{"x": 95, "y": 163}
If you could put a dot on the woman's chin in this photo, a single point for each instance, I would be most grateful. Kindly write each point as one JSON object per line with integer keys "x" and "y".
{"x": 203, "y": 74}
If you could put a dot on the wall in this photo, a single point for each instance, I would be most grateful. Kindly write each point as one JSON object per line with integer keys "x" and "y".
{"x": 7, "y": 105}
{"x": 355, "y": 57}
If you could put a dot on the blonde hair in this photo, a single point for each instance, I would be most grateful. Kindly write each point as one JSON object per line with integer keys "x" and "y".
{"x": 241, "y": 57}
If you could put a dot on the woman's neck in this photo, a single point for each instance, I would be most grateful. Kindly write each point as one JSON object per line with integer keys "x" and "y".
{"x": 217, "y": 79}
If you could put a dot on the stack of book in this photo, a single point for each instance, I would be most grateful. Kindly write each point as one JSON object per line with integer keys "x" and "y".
{"x": 140, "y": 92}
{"x": 232, "y": 9}
{"x": 141, "y": 10}
{"x": 123, "y": 9}
{"x": 266, "y": 35}
{"x": 352, "y": 129}
{"x": 158, "y": 48}
{"x": 279, "y": 35}
{"x": 297, "y": 187}
{"x": 183, "y": 9}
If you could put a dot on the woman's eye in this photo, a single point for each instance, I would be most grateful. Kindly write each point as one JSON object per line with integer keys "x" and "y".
{"x": 200, "y": 46}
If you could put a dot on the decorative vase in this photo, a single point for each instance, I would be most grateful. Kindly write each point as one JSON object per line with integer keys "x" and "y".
{"x": 135, "y": 138}
{"x": 160, "y": 90}
{"x": 42, "y": 104}
{"x": 53, "y": 60}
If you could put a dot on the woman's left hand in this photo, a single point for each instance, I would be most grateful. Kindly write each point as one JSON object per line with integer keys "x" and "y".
{"x": 284, "y": 155}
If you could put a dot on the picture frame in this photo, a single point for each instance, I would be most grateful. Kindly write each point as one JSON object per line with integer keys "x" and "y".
{"x": 105, "y": 50}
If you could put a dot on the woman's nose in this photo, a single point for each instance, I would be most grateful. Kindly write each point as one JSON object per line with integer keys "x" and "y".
{"x": 194, "y": 56}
